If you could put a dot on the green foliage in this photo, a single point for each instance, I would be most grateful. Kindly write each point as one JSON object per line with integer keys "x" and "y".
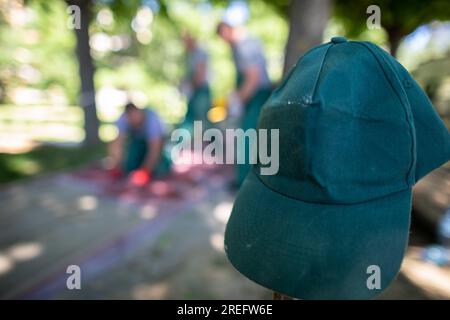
{"x": 46, "y": 159}
{"x": 280, "y": 6}
{"x": 402, "y": 16}
{"x": 44, "y": 45}
{"x": 155, "y": 68}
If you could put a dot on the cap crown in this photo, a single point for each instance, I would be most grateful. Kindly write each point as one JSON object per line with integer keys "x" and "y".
{"x": 346, "y": 128}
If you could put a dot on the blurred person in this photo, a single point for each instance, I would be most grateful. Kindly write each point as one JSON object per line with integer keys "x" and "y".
{"x": 195, "y": 85}
{"x": 252, "y": 82}
{"x": 137, "y": 152}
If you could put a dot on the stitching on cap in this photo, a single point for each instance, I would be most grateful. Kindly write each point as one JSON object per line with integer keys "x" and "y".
{"x": 291, "y": 71}
{"x": 320, "y": 71}
{"x": 405, "y": 107}
{"x": 253, "y": 171}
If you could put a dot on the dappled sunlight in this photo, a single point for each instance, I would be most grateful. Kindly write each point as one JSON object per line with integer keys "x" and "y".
{"x": 6, "y": 264}
{"x": 25, "y": 251}
{"x": 148, "y": 212}
{"x": 223, "y": 210}
{"x": 108, "y": 132}
{"x": 150, "y": 291}
{"x": 441, "y": 198}
{"x": 87, "y": 203}
{"x": 17, "y": 253}
{"x": 216, "y": 241}
{"x": 22, "y": 124}
{"x": 15, "y": 143}
{"x": 110, "y": 102}
{"x": 433, "y": 279}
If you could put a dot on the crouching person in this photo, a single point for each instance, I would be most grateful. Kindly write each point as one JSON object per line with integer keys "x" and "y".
{"x": 137, "y": 152}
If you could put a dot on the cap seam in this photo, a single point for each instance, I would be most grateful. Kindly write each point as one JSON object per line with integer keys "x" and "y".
{"x": 309, "y": 101}
{"x": 320, "y": 71}
{"x": 325, "y": 203}
{"x": 410, "y": 177}
{"x": 291, "y": 71}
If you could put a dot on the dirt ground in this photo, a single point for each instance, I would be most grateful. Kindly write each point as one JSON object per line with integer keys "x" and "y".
{"x": 132, "y": 249}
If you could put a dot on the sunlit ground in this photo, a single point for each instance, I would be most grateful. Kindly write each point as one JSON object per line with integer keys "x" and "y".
{"x": 433, "y": 280}
{"x": 155, "y": 249}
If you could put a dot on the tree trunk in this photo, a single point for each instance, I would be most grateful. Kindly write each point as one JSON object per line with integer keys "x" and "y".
{"x": 307, "y": 21}
{"x": 394, "y": 37}
{"x": 86, "y": 72}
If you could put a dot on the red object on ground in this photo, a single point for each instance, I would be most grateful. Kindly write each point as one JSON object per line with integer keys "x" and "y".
{"x": 140, "y": 177}
{"x": 115, "y": 173}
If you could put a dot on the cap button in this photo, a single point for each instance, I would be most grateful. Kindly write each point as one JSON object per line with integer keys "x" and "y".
{"x": 339, "y": 39}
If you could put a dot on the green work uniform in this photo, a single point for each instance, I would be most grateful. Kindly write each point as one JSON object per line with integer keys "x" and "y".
{"x": 197, "y": 108}
{"x": 249, "y": 120}
{"x": 248, "y": 52}
{"x": 199, "y": 100}
{"x": 137, "y": 140}
{"x": 136, "y": 151}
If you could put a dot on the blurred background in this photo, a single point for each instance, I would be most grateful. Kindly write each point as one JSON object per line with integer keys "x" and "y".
{"x": 63, "y": 88}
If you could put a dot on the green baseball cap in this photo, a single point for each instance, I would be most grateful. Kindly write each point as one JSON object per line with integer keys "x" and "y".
{"x": 355, "y": 134}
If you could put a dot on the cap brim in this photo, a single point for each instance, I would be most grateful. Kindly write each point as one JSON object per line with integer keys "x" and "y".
{"x": 317, "y": 251}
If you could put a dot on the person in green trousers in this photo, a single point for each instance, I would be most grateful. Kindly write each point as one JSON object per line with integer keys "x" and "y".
{"x": 195, "y": 85}
{"x": 253, "y": 86}
{"x": 138, "y": 151}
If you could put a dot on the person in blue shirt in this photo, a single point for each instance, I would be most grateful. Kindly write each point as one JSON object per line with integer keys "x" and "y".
{"x": 138, "y": 149}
